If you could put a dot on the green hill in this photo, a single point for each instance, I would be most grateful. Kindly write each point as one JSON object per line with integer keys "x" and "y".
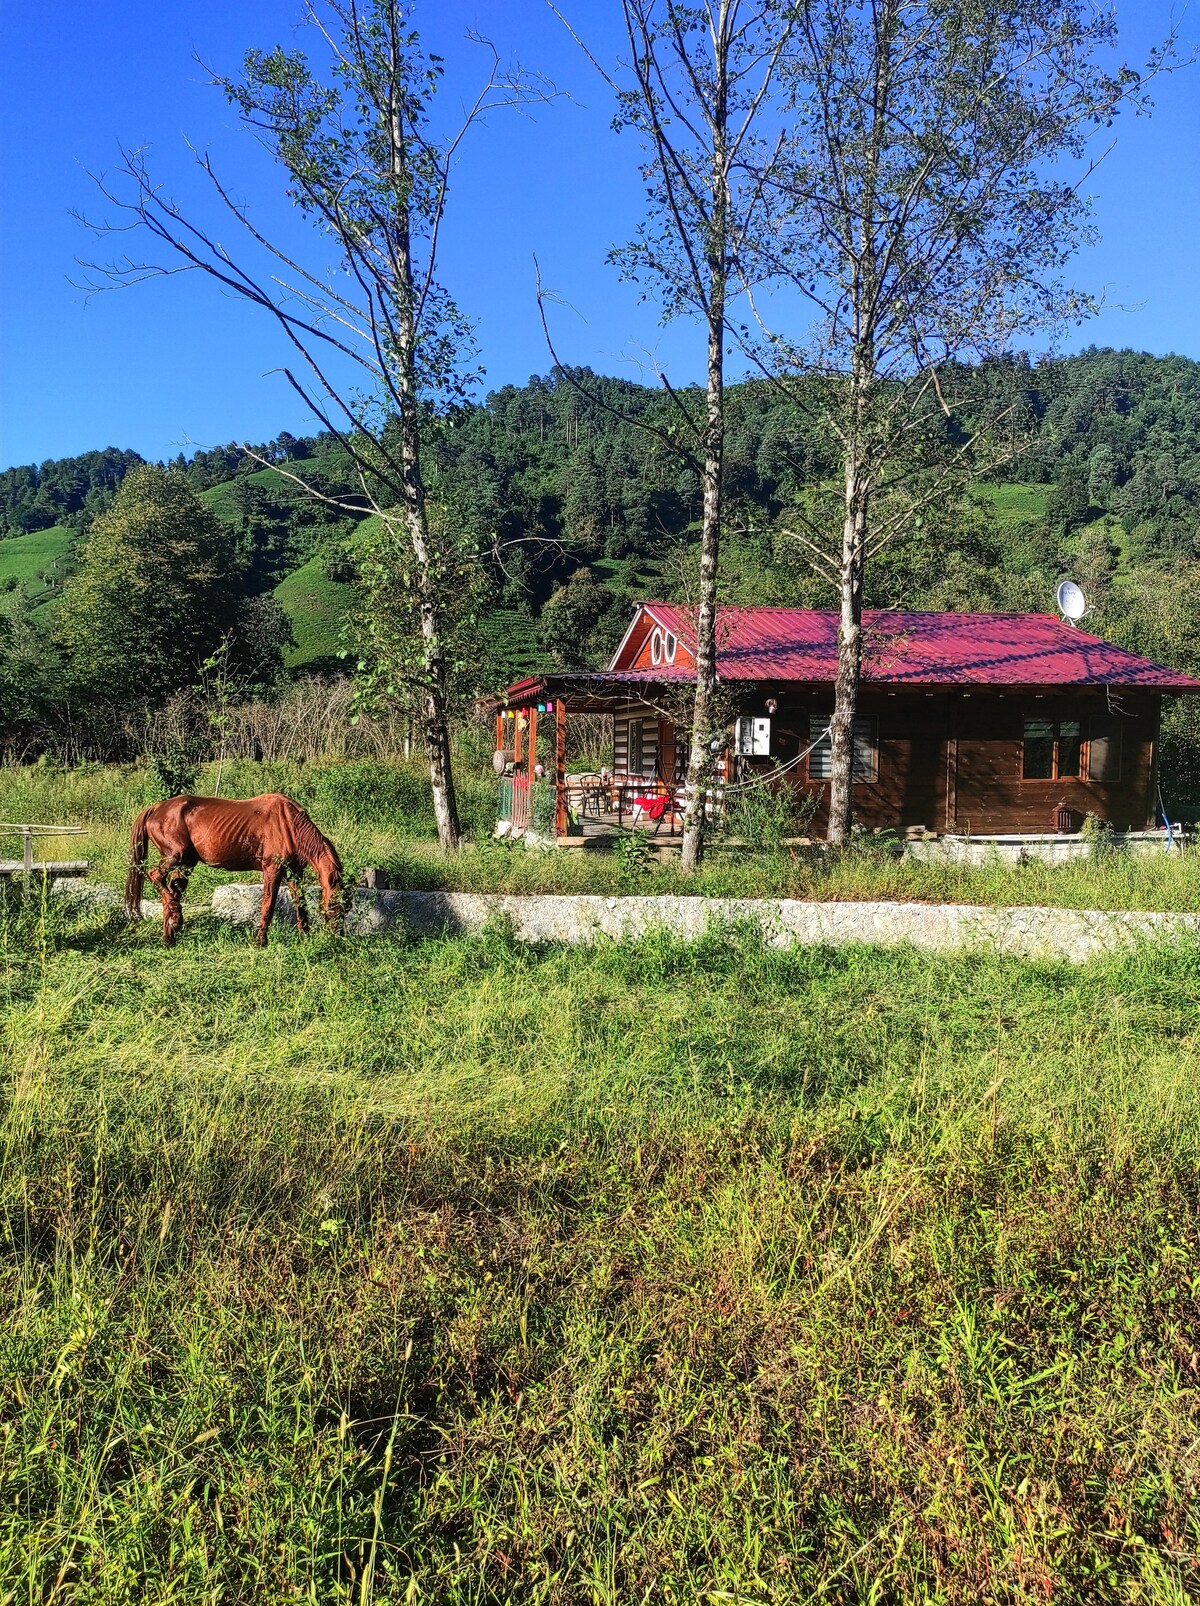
{"x": 316, "y": 607}
{"x": 37, "y": 562}
{"x": 558, "y": 478}
{"x": 1016, "y": 505}
{"x": 323, "y": 470}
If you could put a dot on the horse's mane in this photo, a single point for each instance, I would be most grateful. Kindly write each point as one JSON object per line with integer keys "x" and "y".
{"x": 312, "y": 843}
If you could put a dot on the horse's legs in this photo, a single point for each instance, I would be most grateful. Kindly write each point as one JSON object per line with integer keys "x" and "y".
{"x": 298, "y": 903}
{"x": 171, "y": 880}
{"x": 272, "y": 875}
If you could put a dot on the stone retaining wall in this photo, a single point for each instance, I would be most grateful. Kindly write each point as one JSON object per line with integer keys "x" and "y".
{"x": 1031, "y": 932}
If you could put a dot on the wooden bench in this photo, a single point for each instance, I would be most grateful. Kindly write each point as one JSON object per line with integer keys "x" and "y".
{"x": 26, "y": 866}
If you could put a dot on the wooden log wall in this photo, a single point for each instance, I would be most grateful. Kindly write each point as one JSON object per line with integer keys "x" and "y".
{"x": 952, "y": 761}
{"x": 649, "y": 724}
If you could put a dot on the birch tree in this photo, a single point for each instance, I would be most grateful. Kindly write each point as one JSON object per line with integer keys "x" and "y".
{"x": 699, "y": 88}
{"x": 376, "y": 341}
{"x": 925, "y": 209}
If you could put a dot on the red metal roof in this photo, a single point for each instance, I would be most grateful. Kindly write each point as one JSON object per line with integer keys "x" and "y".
{"x": 917, "y": 649}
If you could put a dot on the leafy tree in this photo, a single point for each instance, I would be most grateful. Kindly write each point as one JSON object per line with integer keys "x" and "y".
{"x": 153, "y": 594}
{"x": 379, "y": 342}
{"x": 1069, "y": 504}
{"x": 923, "y": 215}
{"x": 581, "y": 624}
{"x": 29, "y": 671}
{"x": 261, "y": 631}
{"x": 1102, "y": 473}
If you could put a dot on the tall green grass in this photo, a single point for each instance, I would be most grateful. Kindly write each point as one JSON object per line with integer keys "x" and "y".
{"x": 379, "y": 813}
{"x": 460, "y": 1271}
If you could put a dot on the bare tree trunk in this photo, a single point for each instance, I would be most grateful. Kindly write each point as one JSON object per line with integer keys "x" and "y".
{"x": 700, "y": 760}
{"x": 849, "y": 662}
{"x": 857, "y": 487}
{"x": 435, "y": 688}
{"x": 435, "y": 725}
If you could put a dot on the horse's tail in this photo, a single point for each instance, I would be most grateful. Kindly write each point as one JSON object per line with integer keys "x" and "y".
{"x": 139, "y": 849}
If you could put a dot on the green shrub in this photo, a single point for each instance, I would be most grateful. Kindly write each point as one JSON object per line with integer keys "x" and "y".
{"x": 763, "y": 815}
{"x": 172, "y": 773}
{"x": 374, "y": 791}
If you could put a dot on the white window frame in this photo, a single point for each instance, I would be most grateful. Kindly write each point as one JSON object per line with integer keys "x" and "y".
{"x": 663, "y": 646}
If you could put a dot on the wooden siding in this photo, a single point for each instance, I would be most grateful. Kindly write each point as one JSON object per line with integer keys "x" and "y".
{"x": 951, "y": 762}
{"x": 637, "y": 654}
{"x": 993, "y": 796}
{"x": 650, "y": 735}
{"x": 947, "y": 761}
{"x": 911, "y": 734}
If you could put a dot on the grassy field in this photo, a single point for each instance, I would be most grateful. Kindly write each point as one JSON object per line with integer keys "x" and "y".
{"x": 317, "y": 608}
{"x": 1015, "y": 503}
{"x": 26, "y": 558}
{"x": 379, "y": 814}
{"x": 459, "y": 1272}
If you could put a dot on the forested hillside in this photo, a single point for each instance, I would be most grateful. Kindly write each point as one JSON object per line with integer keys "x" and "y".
{"x": 578, "y": 510}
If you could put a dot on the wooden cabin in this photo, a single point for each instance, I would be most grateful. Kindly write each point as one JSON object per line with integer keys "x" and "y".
{"x": 980, "y": 723}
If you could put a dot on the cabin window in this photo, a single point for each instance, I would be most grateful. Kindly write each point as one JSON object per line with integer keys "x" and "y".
{"x": 866, "y": 749}
{"x": 1051, "y": 750}
{"x": 662, "y": 646}
{"x": 1104, "y": 748}
{"x": 633, "y": 757}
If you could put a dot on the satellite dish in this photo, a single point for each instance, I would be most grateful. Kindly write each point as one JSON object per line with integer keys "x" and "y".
{"x": 1072, "y": 603}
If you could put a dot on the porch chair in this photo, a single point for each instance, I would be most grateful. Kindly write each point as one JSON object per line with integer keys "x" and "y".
{"x": 654, "y": 802}
{"x": 590, "y": 789}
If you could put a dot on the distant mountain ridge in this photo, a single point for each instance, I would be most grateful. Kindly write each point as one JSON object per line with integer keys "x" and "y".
{"x": 587, "y": 514}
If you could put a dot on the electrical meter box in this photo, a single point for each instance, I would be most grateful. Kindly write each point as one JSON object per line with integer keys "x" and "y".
{"x": 752, "y": 738}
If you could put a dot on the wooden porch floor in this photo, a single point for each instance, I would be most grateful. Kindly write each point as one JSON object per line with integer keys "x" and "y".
{"x": 599, "y": 836}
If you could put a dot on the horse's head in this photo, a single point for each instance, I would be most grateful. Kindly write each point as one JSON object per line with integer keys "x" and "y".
{"x": 328, "y": 867}
{"x": 322, "y": 857}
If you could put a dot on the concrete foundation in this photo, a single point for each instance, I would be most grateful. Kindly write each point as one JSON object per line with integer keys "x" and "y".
{"x": 1030, "y": 932}
{"x": 1046, "y": 849}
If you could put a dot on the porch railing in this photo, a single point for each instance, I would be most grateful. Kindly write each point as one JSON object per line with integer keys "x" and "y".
{"x": 627, "y": 791}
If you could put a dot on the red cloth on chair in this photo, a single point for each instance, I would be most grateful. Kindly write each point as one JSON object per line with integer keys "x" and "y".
{"x": 653, "y": 807}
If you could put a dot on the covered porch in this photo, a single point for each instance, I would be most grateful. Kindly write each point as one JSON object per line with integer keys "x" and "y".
{"x": 643, "y": 786}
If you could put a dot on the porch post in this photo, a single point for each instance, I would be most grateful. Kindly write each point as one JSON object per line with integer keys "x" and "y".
{"x": 532, "y": 759}
{"x": 1152, "y": 777}
{"x": 499, "y": 732}
{"x": 560, "y": 768}
{"x": 952, "y": 732}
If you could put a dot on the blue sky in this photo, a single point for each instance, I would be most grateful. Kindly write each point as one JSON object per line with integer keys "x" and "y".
{"x": 174, "y": 364}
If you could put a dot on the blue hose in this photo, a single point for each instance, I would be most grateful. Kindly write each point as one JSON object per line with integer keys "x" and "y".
{"x": 1163, "y": 813}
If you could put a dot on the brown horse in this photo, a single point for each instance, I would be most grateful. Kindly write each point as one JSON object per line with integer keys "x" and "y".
{"x": 269, "y": 833}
